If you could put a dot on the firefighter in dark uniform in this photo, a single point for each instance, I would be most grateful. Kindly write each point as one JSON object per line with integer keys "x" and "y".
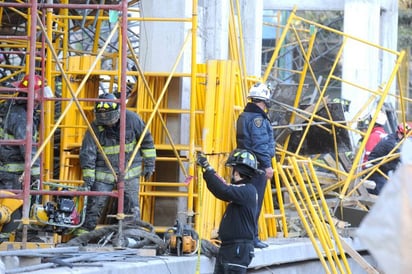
{"x": 383, "y": 148}
{"x": 237, "y": 227}
{"x": 14, "y": 126}
{"x": 254, "y": 132}
{"x": 97, "y": 175}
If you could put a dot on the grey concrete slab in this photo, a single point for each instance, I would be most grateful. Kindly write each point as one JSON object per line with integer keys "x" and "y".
{"x": 281, "y": 253}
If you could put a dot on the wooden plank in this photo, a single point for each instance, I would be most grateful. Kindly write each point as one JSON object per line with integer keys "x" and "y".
{"x": 358, "y": 258}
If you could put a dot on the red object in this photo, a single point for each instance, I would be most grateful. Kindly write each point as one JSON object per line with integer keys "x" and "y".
{"x": 376, "y": 135}
{"x": 188, "y": 179}
{"x": 24, "y": 83}
{"x": 404, "y": 129}
{"x": 75, "y": 217}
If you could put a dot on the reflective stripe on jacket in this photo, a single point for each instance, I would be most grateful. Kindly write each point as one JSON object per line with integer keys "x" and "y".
{"x": 12, "y": 157}
{"x": 91, "y": 160}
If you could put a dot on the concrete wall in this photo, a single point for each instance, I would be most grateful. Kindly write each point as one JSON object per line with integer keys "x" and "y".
{"x": 360, "y": 61}
{"x": 161, "y": 42}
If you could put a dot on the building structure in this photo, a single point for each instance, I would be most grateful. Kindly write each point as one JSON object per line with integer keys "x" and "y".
{"x": 188, "y": 79}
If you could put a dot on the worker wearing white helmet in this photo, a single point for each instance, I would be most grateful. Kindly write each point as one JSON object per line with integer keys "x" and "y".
{"x": 255, "y": 133}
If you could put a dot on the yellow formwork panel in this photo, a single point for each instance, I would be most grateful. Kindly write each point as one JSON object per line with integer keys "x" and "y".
{"x": 144, "y": 104}
{"x": 220, "y": 100}
{"x": 219, "y": 108}
{"x": 73, "y": 126}
{"x": 216, "y": 100}
{"x": 209, "y": 117}
{"x": 226, "y": 88}
{"x": 211, "y": 209}
{"x": 81, "y": 64}
{"x": 201, "y": 84}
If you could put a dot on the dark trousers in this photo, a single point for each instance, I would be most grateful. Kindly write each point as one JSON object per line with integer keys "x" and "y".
{"x": 96, "y": 204}
{"x": 234, "y": 258}
{"x": 379, "y": 180}
{"x": 259, "y": 181}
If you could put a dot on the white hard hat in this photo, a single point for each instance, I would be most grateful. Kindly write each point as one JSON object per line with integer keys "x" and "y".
{"x": 381, "y": 119}
{"x": 259, "y": 91}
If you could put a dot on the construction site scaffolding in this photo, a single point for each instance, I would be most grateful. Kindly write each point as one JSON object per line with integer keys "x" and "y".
{"x": 86, "y": 49}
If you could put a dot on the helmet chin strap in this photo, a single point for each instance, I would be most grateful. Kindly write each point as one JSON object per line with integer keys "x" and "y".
{"x": 262, "y": 104}
{"x": 235, "y": 176}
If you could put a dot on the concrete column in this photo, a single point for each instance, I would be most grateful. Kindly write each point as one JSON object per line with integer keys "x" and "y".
{"x": 360, "y": 61}
{"x": 252, "y": 23}
{"x": 161, "y": 42}
{"x": 214, "y": 30}
{"x": 389, "y": 39}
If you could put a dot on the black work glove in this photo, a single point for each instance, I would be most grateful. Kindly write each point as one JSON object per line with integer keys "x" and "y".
{"x": 202, "y": 161}
{"x": 88, "y": 183}
{"x": 148, "y": 168}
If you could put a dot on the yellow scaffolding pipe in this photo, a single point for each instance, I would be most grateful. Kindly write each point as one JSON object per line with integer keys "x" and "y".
{"x": 315, "y": 217}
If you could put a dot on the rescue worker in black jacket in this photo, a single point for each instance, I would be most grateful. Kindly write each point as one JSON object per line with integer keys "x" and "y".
{"x": 237, "y": 227}
{"x": 14, "y": 126}
{"x": 383, "y": 148}
{"x": 97, "y": 175}
{"x": 254, "y": 132}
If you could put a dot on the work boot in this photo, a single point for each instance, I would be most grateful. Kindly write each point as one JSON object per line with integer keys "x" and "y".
{"x": 259, "y": 244}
